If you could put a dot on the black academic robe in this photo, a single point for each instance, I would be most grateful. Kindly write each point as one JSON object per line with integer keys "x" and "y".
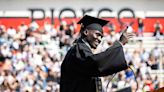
{"x": 80, "y": 66}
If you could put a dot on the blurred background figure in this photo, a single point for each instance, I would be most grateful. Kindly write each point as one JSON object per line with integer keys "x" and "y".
{"x": 140, "y": 27}
{"x": 157, "y": 30}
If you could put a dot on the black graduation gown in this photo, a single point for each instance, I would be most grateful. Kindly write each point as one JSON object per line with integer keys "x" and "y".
{"x": 81, "y": 65}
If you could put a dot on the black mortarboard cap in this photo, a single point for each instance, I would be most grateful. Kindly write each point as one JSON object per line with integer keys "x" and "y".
{"x": 92, "y": 22}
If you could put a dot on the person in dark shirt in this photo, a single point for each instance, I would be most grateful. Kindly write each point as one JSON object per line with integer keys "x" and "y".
{"x": 140, "y": 27}
{"x": 158, "y": 27}
{"x": 81, "y": 69}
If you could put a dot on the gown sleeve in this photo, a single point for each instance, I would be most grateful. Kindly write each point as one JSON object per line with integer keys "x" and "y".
{"x": 111, "y": 61}
{"x": 105, "y": 63}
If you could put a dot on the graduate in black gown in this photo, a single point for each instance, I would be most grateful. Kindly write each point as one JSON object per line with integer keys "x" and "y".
{"x": 81, "y": 68}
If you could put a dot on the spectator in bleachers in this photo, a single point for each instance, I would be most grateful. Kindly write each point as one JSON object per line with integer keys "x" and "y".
{"x": 157, "y": 30}
{"x": 34, "y": 26}
{"x": 140, "y": 27}
{"x": 50, "y": 30}
{"x": 22, "y": 28}
{"x": 111, "y": 27}
{"x": 11, "y": 31}
{"x": 129, "y": 73}
{"x": 2, "y": 27}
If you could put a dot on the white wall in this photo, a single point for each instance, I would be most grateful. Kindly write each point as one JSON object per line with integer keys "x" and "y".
{"x": 146, "y": 5}
{"x": 141, "y": 8}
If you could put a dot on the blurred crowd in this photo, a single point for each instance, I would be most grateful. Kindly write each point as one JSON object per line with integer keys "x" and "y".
{"x": 30, "y": 59}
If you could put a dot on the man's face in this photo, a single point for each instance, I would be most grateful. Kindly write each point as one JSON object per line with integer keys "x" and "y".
{"x": 93, "y": 37}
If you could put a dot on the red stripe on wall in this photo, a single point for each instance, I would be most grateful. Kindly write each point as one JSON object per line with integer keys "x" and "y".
{"x": 148, "y": 22}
